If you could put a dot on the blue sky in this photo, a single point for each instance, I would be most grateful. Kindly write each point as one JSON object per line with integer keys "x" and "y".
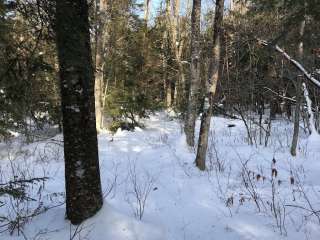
{"x": 206, "y": 4}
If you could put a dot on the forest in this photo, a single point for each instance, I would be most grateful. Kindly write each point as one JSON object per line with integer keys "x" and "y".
{"x": 159, "y": 119}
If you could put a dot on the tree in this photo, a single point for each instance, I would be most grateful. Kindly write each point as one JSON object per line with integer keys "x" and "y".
{"x": 214, "y": 75}
{"x": 296, "y": 17}
{"x": 82, "y": 174}
{"x": 146, "y": 11}
{"x": 177, "y": 32}
{"x": 193, "y": 92}
{"x": 300, "y": 51}
{"x": 101, "y": 8}
{"x": 298, "y": 94}
{"x": 133, "y": 70}
{"x": 28, "y": 76}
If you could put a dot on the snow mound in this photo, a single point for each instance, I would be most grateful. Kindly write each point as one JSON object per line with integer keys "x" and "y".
{"x": 106, "y": 224}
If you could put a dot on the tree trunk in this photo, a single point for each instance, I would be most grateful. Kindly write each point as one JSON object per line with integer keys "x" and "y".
{"x": 166, "y": 81}
{"x": 214, "y": 75}
{"x": 168, "y": 32}
{"x": 177, "y": 44}
{"x": 296, "y": 118}
{"x": 82, "y": 175}
{"x": 146, "y": 11}
{"x": 193, "y": 94}
{"x": 101, "y": 7}
{"x": 298, "y": 93}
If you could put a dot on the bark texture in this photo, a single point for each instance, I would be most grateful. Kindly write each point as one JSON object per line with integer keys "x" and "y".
{"x": 195, "y": 82}
{"x": 295, "y": 136}
{"x": 82, "y": 175}
{"x": 101, "y": 8}
{"x": 296, "y": 126}
{"x": 211, "y": 88}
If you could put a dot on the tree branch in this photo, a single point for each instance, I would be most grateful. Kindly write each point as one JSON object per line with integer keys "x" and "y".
{"x": 294, "y": 62}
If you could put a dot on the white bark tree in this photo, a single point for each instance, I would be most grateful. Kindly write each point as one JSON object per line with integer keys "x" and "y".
{"x": 193, "y": 93}
{"x": 214, "y": 75}
{"x": 101, "y": 37}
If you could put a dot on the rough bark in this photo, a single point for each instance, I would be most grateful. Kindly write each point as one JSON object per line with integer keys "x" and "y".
{"x": 296, "y": 118}
{"x": 82, "y": 175}
{"x": 298, "y": 93}
{"x": 214, "y": 72}
{"x": 195, "y": 83}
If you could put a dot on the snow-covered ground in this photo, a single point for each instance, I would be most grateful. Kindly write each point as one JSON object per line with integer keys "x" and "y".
{"x": 238, "y": 197}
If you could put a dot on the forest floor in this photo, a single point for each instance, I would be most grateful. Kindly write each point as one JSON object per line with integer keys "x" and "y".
{"x": 150, "y": 174}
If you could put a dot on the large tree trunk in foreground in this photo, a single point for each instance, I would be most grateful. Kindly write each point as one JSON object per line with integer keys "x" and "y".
{"x": 212, "y": 85}
{"x": 195, "y": 83}
{"x": 82, "y": 176}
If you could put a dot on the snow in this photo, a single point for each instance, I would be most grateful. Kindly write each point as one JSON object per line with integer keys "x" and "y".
{"x": 298, "y": 65}
{"x": 293, "y": 61}
{"x": 206, "y": 104}
{"x": 80, "y": 171}
{"x": 107, "y": 224}
{"x": 310, "y": 112}
{"x": 73, "y": 108}
{"x": 181, "y": 201}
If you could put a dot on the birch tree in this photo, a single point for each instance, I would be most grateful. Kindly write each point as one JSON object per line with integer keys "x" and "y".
{"x": 167, "y": 82}
{"x": 101, "y": 8}
{"x": 146, "y": 10}
{"x": 211, "y": 86}
{"x": 82, "y": 174}
{"x": 193, "y": 93}
{"x": 177, "y": 33}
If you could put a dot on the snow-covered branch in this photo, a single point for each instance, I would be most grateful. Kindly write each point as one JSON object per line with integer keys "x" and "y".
{"x": 293, "y": 61}
{"x": 309, "y": 107}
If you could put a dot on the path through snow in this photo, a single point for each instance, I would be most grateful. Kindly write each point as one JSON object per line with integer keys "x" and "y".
{"x": 185, "y": 203}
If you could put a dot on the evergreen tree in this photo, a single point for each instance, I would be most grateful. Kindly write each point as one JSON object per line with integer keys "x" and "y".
{"x": 82, "y": 176}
